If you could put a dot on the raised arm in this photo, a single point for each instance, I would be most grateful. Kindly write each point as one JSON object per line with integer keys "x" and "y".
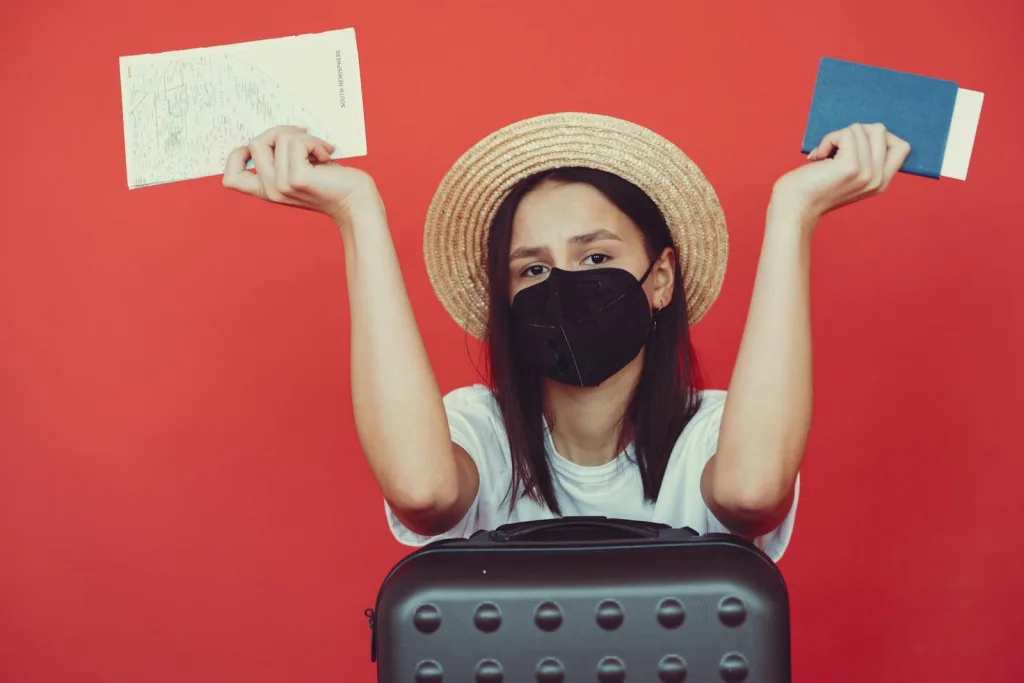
{"x": 428, "y": 481}
{"x": 749, "y": 483}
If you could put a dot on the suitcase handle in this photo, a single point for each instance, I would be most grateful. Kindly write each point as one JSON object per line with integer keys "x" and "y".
{"x": 583, "y": 529}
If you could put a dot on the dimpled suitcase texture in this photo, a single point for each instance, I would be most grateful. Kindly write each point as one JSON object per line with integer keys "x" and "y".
{"x": 583, "y": 599}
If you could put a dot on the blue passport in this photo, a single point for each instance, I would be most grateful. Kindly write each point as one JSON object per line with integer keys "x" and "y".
{"x": 916, "y": 108}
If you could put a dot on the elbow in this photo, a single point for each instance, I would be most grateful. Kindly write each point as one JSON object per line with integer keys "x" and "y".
{"x": 753, "y": 501}
{"x": 425, "y": 510}
{"x": 752, "y": 512}
{"x": 755, "y": 483}
{"x": 752, "y": 504}
{"x": 430, "y": 497}
{"x": 421, "y": 501}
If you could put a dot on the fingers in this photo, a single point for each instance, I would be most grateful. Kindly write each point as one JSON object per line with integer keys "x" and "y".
{"x": 304, "y": 151}
{"x": 840, "y": 145}
{"x": 862, "y": 173}
{"x": 317, "y": 149}
{"x": 236, "y": 177}
{"x": 263, "y": 162}
{"x": 271, "y": 135}
{"x": 870, "y": 154}
{"x": 282, "y": 158}
{"x": 237, "y": 160}
{"x": 300, "y": 152}
{"x": 263, "y": 157}
{"x": 826, "y": 147}
{"x": 323, "y": 152}
{"x": 282, "y": 183}
{"x": 849, "y": 164}
{"x": 876, "y": 135}
{"x": 897, "y": 151}
{"x": 296, "y": 155}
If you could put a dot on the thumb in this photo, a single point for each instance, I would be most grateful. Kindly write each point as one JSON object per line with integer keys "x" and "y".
{"x": 827, "y": 147}
{"x": 237, "y": 177}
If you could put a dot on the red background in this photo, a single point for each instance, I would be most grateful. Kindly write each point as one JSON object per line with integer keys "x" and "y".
{"x": 182, "y": 496}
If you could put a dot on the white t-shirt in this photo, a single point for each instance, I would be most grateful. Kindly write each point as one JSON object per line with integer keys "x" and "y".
{"x": 610, "y": 490}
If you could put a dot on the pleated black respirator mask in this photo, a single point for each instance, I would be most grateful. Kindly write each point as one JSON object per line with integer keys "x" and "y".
{"x": 581, "y": 327}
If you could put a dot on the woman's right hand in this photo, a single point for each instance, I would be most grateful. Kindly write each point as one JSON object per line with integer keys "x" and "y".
{"x": 295, "y": 168}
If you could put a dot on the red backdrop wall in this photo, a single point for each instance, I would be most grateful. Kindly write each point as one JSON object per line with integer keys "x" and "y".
{"x": 182, "y": 496}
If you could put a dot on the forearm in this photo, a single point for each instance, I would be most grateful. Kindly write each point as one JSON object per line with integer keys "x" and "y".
{"x": 399, "y": 413}
{"x": 749, "y": 484}
{"x": 768, "y": 411}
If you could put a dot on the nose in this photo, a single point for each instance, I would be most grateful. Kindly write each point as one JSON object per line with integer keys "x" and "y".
{"x": 553, "y": 307}
{"x": 567, "y": 262}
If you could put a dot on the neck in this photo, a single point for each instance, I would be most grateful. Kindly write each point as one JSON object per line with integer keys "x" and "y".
{"x": 586, "y": 422}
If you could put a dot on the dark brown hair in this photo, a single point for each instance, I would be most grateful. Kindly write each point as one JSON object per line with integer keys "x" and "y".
{"x": 668, "y": 392}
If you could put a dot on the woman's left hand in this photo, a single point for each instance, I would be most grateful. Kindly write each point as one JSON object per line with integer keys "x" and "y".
{"x": 865, "y": 159}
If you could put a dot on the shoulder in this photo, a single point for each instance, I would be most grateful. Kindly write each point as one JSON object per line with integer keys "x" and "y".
{"x": 475, "y": 399}
{"x": 711, "y": 401}
{"x": 700, "y": 436}
{"x": 712, "y": 405}
{"x": 476, "y": 424}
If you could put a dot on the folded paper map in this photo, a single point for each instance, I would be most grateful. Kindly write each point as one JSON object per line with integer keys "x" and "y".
{"x": 185, "y": 111}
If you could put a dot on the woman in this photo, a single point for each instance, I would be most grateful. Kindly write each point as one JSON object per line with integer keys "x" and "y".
{"x": 581, "y": 248}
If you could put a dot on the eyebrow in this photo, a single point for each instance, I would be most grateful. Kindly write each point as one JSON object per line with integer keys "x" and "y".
{"x": 585, "y": 238}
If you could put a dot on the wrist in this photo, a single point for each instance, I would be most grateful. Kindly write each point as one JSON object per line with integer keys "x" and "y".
{"x": 789, "y": 212}
{"x": 357, "y": 210}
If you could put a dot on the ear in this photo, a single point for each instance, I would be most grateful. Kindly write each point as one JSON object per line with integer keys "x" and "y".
{"x": 663, "y": 278}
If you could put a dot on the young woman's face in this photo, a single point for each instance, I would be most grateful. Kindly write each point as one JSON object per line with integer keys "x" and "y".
{"x": 572, "y": 226}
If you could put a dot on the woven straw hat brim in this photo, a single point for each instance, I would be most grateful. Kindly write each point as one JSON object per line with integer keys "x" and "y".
{"x": 460, "y": 215}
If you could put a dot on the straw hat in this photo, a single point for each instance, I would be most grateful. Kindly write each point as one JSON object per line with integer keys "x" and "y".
{"x": 455, "y": 242}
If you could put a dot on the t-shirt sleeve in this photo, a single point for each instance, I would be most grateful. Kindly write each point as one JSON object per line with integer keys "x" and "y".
{"x": 471, "y": 415}
{"x": 774, "y": 542}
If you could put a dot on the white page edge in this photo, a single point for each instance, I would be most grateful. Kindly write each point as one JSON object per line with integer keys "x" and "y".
{"x": 963, "y": 130}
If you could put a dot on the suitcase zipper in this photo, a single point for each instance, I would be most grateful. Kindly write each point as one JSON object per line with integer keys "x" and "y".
{"x": 371, "y": 621}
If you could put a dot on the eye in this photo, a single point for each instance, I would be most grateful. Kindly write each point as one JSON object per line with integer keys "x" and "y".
{"x": 536, "y": 270}
{"x": 597, "y": 259}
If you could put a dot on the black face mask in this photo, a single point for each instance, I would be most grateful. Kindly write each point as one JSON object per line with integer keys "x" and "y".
{"x": 581, "y": 327}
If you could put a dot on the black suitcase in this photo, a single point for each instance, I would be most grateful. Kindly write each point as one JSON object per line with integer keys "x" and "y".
{"x": 583, "y": 599}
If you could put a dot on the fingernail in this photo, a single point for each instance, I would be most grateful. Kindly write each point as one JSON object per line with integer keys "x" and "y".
{"x": 810, "y": 156}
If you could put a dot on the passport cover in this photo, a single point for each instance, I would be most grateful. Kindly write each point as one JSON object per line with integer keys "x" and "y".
{"x": 918, "y": 109}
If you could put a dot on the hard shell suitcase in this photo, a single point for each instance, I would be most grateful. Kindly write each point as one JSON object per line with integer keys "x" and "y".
{"x": 583, "y": 599}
